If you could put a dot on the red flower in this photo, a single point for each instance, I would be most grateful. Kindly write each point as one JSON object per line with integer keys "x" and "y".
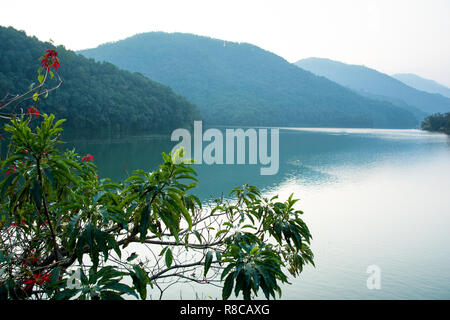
{"x": 13, "y": 169}
{"x": 33, "y": 111}
{"x": 50, "y": 59}
{"x": 51, "y": 53}
{"x": 56, "y": 64}
{"x": 1, "y": 138}
{"x": 87, "y": 158}
{"x": 23, "y": 222}
{"x": 33, "y": 260}
{"x": 38, "y": 279}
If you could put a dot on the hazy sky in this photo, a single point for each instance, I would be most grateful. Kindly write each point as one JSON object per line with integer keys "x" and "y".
{"x": 391, "y": 36}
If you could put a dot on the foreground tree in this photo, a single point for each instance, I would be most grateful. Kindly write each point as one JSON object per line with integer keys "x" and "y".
{"x": 63, "y": 231}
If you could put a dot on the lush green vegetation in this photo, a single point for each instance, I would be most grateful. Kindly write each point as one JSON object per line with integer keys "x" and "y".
{"x": 377, "y": 85}
{"x": 437, "y": 122}
{"x": 92, "y": 95}
{"x": 241, "y": 84}
{"x": 64, "y": 232}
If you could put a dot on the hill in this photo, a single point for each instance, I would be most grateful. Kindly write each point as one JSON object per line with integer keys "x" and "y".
{"x": 92, "y": 95}
{"x": 371, "y": 82}
{"x": 422, "y": 84}
{"x": 242, "y": 84}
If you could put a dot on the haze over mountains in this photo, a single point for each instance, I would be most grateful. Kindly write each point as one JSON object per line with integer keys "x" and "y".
{"x": 377, "y": 85}
{"x": 242, "y": 84}
{"x": 422, "y": 84}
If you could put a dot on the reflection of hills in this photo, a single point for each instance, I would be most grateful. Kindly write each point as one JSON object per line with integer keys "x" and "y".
{"x": 306, "y": 156}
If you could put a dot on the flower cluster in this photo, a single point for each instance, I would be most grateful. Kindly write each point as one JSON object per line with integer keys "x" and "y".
{"x": 23, "y": 222}
{"x": 50, "y": 59}
{"x": 33, "y": 111}
{"x": 87, "y": 158}
{"x": 12, "y": 170}
{"x": 38, "y": 279}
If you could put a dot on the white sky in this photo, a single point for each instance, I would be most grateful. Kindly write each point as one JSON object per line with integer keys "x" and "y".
{"x": 391, "y": 36}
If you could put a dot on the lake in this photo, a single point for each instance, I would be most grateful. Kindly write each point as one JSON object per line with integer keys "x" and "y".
{"x": 371, "y": 197}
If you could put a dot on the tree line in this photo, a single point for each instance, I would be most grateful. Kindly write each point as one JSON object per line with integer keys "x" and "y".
{"x": 92, "y": 95}
{"x": 438, "y": 122}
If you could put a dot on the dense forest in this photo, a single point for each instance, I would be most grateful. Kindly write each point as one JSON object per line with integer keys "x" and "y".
{"x": 377, "y": 85}
{"x": 92, "y": 95}
{"x": 241, "y": 84}
{"x": 437, "y": 122}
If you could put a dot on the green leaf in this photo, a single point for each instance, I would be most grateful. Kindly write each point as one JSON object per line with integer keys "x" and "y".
{"x": 197, "y": 234}
{"x": 186, "y": 215}
{"x": 218, "y": 255}
{"x": 169, "y": 258}
{"x": 51, "y": 178}
{"x": 228, "y": 286}
{"x": 54, "y": 275}
{"x": 208, "y": 261}
{"x": 140, "y": 281}
{"x": 220, "y": 232}
{"x": 132, "y": 257}
{"x": 66, "y": 294}
{"x": 145, "y": 222}
{"x": 79, "y": 248}
{"x": 166, "y": 157}
{"x": 110, "y": 295}
{"x": 113, "y": 243}
{"x": 100, "y": 239}
{"x": 37, "y": 194}
{"x": 123, "y": 288}
{"x": 226, "y": 270}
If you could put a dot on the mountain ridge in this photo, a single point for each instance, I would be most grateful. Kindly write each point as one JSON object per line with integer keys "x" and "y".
{"x": 370, "y": 81}
{"x": 242, "y": 84}
{"x": 422, "y": 84}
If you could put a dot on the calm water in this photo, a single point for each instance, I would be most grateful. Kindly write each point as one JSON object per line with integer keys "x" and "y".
{"x": 370, "y": 197}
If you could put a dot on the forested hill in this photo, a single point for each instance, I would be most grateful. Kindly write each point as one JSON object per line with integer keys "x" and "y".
{"x": 92, "y": 95}
{"x": 375, "y": 83}
{"x": 422, "y": 84}
{"x": 241, "y": 84}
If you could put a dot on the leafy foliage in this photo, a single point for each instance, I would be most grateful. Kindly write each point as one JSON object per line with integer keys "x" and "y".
{"x": 57, "y": 216}
{"x": 437, "y": 122}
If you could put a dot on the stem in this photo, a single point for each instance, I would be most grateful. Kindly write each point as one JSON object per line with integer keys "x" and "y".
{"x": 47, "y": 215}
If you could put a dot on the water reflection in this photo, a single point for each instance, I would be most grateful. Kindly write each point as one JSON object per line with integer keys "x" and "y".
{"x": 369, "y": 196}
{"x": 312, "y": 156}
